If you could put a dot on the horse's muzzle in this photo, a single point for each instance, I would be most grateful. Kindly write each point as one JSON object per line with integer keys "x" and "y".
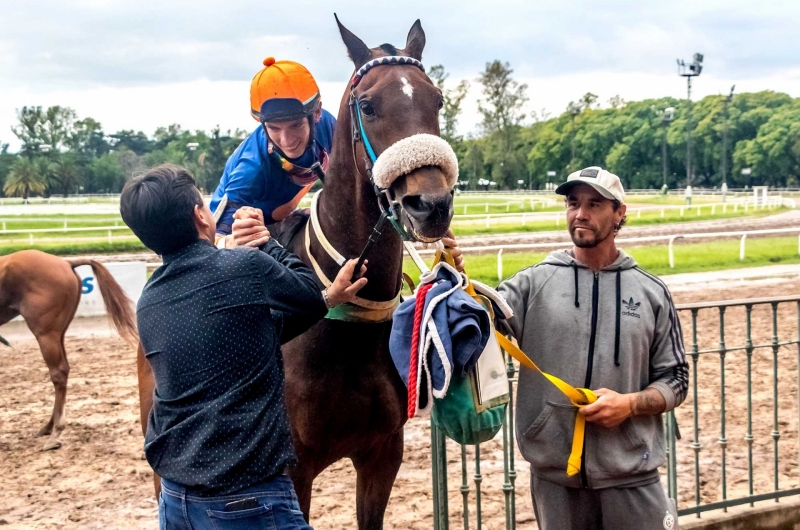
{"x": 427, "y": 215}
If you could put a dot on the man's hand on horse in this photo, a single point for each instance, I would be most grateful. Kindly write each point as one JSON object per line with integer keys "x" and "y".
{"x": 449, "y": 241}
{"x": 248, "y": 228}
{"x": 342, "y": 290}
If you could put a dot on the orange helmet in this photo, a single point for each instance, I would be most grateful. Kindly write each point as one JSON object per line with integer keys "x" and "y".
{"x": 283, "y": 91}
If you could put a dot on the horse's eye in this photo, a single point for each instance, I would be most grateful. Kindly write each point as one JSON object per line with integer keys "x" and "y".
{"x": 441, "y": 103}
{"x": 366, "y": 108}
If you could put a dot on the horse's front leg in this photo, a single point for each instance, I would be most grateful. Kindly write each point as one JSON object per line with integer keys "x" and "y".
{"x": 377, "y": 469}
{"x": 303, "y": 476}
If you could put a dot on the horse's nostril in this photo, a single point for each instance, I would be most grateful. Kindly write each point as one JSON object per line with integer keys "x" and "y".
{"x": 417, "y": 205}
{"x": 425, "y": 206}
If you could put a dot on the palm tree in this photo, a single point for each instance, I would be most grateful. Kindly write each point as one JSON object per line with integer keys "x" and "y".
{"x": 24, "y": 179}
{"x": 67, "y": 173}
{"x": 48, "y": 171}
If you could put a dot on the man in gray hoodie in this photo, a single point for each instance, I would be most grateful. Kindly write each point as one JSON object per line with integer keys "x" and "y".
{"x": 591, "y": 317}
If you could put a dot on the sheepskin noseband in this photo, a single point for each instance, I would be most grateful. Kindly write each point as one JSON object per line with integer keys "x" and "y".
{"x": 414, "y": 152}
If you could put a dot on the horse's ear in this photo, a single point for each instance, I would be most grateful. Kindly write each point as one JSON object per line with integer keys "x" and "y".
{"x": 415, "y": 41}
{"x": 358, "y": 51}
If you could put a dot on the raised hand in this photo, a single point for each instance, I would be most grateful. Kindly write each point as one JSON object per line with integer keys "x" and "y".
{"x": 248, "y": 229}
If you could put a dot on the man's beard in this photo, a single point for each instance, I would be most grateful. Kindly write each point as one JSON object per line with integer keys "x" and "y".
{"x": 587, "y": 241}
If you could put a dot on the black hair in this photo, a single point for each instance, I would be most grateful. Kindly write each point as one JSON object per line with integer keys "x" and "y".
{"x": 159, "y": 205}
{"x": 624, "y": 220}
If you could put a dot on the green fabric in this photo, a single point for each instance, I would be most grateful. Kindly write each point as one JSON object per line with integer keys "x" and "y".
{"x": 354, "y": 313}
{"x": 457, "y": 417}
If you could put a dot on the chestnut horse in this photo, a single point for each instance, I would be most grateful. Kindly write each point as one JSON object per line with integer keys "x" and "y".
{"x": 344, "y": 396}
{"x": 45, "y": 290}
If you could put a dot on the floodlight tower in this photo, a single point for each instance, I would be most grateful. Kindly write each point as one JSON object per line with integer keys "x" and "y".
{"x": 689, "y": 71}
{"x": 728, "y": 101}
{"x": 667, "y": 115}
{"x": 574, "y": 110}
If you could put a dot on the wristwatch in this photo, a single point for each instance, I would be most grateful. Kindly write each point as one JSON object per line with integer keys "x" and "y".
{"x": 328, "y": 303}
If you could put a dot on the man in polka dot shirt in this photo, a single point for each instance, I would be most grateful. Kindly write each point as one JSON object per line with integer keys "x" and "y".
{"x": 211, "y": 322}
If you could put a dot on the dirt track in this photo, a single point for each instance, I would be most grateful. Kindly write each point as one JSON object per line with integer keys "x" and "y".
{"x": 99, "y": 480}
{"x": 784, "y": 220}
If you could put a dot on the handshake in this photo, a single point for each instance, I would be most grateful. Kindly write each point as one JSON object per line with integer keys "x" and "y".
{"x": 249, "y": 230}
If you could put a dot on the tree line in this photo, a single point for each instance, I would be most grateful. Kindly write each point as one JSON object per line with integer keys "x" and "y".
{"x": 512, "y": 148}
{"x": 61, "y": 154}
{"x": 514, "y": 144}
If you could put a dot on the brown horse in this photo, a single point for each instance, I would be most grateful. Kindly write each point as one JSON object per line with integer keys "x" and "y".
{"x": 344, "y": 395}
{"x": 45, "y": 290}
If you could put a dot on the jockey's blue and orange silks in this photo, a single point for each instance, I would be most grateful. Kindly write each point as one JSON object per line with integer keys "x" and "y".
{"x": 251, "y": 178}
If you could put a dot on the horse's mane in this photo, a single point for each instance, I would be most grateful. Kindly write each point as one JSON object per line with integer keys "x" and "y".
{"x": 285, "y": 231}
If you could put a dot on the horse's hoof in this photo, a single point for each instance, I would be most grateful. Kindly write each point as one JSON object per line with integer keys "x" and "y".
{"x": 51, "y": 445}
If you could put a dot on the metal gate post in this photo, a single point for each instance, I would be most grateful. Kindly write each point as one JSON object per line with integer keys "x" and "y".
{"x": 439, "y": 475}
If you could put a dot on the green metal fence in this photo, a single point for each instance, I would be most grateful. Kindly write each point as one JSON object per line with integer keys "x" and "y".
{"x": 777, "y": 343}
{"x": 698, "y": 475}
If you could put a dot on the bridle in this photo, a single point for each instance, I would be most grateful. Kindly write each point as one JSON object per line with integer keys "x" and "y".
{"x": 362, "y": 309}
{"x": 388, "y": 204}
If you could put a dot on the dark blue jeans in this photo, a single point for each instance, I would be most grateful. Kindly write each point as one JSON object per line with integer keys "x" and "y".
{"x": 276, "y": 508}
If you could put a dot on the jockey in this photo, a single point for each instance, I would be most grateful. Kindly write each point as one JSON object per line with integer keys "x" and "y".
{"x": 279, "y": 162}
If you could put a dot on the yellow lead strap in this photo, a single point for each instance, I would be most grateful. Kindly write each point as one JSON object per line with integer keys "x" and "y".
{"x": 578, "y": 396}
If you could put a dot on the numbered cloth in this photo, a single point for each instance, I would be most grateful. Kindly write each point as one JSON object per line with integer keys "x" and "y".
{"x": 448, "y": 330}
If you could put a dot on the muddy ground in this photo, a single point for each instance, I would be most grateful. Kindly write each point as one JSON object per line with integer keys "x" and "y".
{"x": 98, "y": 479}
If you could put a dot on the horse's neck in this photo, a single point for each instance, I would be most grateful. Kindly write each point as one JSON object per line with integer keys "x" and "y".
{"x": 348, "y": 211}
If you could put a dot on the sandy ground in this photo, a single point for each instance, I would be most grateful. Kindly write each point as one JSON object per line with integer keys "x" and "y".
{"x": 98, "y": 479}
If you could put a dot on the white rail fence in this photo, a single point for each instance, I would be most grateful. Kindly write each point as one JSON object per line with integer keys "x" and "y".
{"x": 745, "y": 205}
{"x": 669, "y": 239}
{"x": 111, "y": 236}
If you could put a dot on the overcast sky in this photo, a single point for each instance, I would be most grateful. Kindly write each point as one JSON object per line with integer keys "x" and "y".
{"x": 138, "y": 65}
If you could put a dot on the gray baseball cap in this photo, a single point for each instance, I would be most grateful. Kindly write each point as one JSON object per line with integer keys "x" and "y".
{"x": 605, "y": 182}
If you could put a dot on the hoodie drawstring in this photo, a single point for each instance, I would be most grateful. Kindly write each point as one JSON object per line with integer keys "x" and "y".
{"x": 619, "y": 316}
{"x": 575, "y": 269}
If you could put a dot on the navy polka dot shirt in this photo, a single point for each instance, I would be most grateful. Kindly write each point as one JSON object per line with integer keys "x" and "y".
{"x": 210, "y": 322}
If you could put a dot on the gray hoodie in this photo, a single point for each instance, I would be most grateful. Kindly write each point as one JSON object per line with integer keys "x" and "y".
{"x": 615, "y": 329}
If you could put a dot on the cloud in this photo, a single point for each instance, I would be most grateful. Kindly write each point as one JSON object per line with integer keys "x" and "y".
{"x": 117, "y": 60}
{"x": 124, "y": 43}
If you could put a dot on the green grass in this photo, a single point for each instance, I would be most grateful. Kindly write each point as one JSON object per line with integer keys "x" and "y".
{"x": 41, "y": 225}
{"x": 63, "y": 236}
{"x": 647, "y": 218}
{"x": 77, "y": 248}
{"x": 673, "y": 200}
{"x": 71, "y": 243}
{"x": 480, "y": 209}
{"x": 695, "y": 257}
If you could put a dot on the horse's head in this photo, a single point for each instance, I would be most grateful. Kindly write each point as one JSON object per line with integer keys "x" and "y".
{"x": 398, "y": 108}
